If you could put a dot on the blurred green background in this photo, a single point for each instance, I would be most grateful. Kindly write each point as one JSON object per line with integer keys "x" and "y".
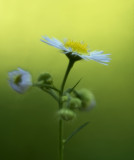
{"x": 28, "y": 123}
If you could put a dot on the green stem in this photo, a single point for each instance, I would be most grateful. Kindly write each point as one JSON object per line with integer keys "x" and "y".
{"x": 46, "y": 85}
{"x": 70, "y": 65}
{"x": 61, "y": 144}
{"x": 52, "y": 93}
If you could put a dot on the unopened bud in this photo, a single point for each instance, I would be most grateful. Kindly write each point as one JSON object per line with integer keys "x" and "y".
{"x": 64, "y": 98}
{"x": 45, "y": 78}
{"x": 66, "y": 114}
{"x": 87, "y": 98}
{"x": 75, "y": 103}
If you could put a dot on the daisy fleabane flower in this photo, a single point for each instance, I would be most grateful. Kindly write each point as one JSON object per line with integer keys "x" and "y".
{"x": 20, "y": 80}
{"x": 77, "y": 50}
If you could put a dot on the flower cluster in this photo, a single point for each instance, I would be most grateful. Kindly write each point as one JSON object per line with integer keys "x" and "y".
{"x": 70, "y": 100}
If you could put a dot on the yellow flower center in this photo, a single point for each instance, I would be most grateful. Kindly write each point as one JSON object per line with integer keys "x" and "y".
{"x": 17, "y": 79}
{"x": 77, "y": 46}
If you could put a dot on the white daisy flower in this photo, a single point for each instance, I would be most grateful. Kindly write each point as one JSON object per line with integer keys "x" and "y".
{"x": 20, "y": 80}
{"x": 77, "y": 50}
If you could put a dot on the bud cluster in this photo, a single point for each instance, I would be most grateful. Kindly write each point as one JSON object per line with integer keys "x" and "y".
{"x": 81, "y": 100}
{"x": 72, "y": 100}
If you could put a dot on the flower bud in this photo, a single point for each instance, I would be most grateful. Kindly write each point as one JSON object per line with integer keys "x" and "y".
{"x": 46, "y": 78}
{"x": 20, "y": 80}
{"x": 64, "y": 98}
{"x": 87, "y": 98}
{"x": 74, "y": 103}
{"x": 66, "y": 114}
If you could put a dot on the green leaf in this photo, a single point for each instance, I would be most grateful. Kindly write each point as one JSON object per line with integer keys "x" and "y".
{"x": 76, "y": 131}
{"x": 72, "y": 89}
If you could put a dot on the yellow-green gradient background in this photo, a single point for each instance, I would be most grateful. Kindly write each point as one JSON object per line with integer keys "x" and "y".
{"x": 28, "y": 123}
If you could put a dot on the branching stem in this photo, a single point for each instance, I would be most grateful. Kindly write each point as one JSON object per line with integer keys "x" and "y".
{"x": 61, "y": 144}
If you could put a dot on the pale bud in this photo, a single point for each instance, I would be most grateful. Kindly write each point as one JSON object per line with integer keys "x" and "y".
{"x": 20, "y": 80}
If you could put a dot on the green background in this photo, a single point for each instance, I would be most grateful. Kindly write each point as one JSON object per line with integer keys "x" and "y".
{"x": 29, "y": 123}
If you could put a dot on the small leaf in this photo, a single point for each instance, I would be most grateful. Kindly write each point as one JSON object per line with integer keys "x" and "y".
{"x": 76, "y": 131}
{"x": 71, "y": 89}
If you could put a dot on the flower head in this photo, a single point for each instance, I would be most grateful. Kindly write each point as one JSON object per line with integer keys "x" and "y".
{"x": 77, "y": 50}
{"x": 20, "y": 80}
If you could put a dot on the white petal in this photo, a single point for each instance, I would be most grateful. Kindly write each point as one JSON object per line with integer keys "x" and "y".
{"x": 98, "y": 56}
{"x": 55, "y": 43}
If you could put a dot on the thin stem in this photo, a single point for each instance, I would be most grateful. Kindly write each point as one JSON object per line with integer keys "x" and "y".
{"x": 47, "y": 86}
{"x": 52, "y": 93}
{"x": 70, "y": 65}
{"x": 61, "y": 144}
